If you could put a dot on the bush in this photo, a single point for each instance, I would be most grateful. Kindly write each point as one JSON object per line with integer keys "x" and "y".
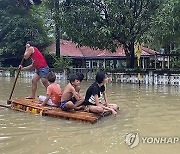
{"x": 62, "y": 63}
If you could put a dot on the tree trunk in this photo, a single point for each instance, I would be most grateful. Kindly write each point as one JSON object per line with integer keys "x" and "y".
{"x": 57, "y": 31}
{"x": 132, "y": 57}
{"x": 127, "y": 53}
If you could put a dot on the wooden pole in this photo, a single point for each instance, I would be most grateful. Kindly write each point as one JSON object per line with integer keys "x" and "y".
{"x": 139, "y": 76}
{"x": 19, "y": 70}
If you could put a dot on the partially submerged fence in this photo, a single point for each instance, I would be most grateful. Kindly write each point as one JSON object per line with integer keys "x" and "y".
{"x": 151, "y": 77}
{"x": 148, "y": 78}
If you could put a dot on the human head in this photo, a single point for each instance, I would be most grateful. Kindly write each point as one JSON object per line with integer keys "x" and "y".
{"x": 101, "y": 77}
{"x": 51, "y": 77}
{"x": 30, "y": 43}
{"x": 81, "y": 76}
{"x": 74, "y": 80}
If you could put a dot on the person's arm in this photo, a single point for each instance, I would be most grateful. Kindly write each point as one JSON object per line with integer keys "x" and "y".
{"x": 46, "y": 100}
{"x": 75, "y": 94}
{"x": 26, "y": 68}
{"x": 105, "y": 98}
{"x": 99, "y": 104}
{"x": 97, "y": 100}
{"x": 28, "y": 52}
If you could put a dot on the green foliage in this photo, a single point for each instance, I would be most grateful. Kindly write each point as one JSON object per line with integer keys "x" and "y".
{"x": 164, "y": 31}
{"x": 52, "y": 15}
{"x": 18, "y": 25}
{"x": 175, "y": 60}
{"x": 175, "y": 63}
{"x": 61, "y": 62}
{"x": 107, "y": 24}
{"x": 165, "y": 25}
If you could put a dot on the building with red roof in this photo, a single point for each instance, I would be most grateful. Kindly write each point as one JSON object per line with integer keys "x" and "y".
{"x": 86, "y": 57}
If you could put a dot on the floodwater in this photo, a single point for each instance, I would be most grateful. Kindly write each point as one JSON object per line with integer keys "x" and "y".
{"x": 153, "y": 112}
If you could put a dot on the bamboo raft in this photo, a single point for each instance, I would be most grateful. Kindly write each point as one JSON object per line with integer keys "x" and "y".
{"x": 31, "y": 106}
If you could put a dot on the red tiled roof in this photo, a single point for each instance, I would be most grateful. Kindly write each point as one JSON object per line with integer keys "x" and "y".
{"x": 149, "y": 51}
{"x": 69, "y": 48}
{"x": 88, "y": 52}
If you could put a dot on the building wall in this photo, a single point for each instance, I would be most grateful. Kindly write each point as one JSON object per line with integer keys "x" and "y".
{"x": 106, "y": 63}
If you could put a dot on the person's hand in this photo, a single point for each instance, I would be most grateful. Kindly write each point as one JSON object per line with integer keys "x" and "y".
{"x": 21, "y": 67}
{"x": 106, "y": 104}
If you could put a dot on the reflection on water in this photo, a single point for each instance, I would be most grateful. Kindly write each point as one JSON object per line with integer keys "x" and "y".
{"x": 152, "y": 111}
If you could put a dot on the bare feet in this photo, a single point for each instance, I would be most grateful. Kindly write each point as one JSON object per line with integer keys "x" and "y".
{"x": 114, "y": 113}
{"x": 30, "y": 97}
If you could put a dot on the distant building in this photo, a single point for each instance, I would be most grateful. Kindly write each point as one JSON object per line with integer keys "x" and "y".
{"x": 85, "y": 57}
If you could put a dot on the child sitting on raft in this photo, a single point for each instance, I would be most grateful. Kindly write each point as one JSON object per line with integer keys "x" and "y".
{"x": 53, "y": 94}
{"x": 94, "y": 95}
{"x": 71, "y": 99}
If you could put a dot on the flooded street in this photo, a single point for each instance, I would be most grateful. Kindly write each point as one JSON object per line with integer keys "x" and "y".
{"x": 151, "y": 112}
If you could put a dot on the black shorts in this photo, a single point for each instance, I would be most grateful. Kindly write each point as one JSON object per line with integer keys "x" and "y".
{"x": 73, "y": 99}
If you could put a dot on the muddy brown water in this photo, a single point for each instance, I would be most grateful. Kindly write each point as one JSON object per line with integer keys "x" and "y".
{"x": 152, "y": 112}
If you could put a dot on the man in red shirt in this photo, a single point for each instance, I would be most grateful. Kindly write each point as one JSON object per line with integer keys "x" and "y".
{"x": 39, "y": 63}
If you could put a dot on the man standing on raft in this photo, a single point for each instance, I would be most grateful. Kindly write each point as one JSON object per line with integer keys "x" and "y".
{"x": 39, "y": 63}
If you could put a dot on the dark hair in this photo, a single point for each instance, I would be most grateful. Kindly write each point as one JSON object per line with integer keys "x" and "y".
{"x": 51, "y": 77}
{"x": 72, "y": 78}
{"x": 81, "y": 76}
{"x": 100, "y": 76}
{"x": 31, "y": 43}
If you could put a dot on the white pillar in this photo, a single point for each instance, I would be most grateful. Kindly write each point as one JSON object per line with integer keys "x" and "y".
{"x": 104, "y": 63}
{"x": 143, "y": 65}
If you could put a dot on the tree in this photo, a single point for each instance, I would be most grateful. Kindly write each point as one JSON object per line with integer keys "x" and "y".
{"x": 107, "y": 24}
{"x": 53, "y": 6}
{"x": 17, "y": 27}
{"x": 62, "y": 63}
{"x": 164, "y": 31}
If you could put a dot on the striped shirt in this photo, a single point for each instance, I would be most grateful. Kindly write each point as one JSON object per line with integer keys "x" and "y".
{"x": 93, "y": 90}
